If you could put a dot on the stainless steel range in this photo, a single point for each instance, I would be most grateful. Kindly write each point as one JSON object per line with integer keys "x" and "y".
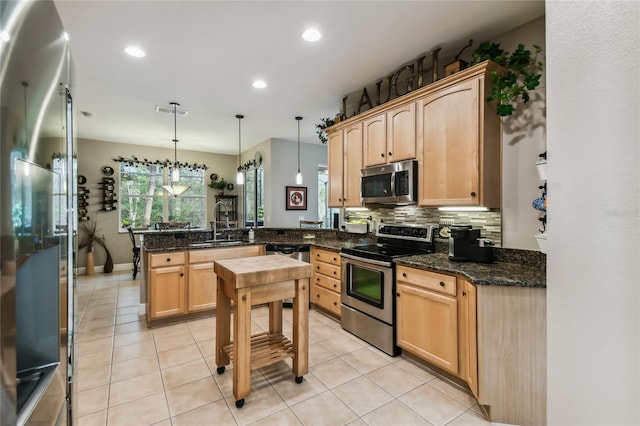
{"x": 368, "y": 282}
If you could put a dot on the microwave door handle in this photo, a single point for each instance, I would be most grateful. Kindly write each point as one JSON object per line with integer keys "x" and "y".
{"x": 393, "y": 183}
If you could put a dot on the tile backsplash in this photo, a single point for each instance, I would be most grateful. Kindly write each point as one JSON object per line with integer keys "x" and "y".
{"x": 488, "y": 222}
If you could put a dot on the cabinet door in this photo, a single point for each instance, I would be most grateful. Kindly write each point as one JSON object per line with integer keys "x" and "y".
{"x": 428, "y": 326}
{"x": 374, "y": 140}
{"x": 166, "y": 292}
{"x": 401, "y": 133}
{"x": 335, "y": 168}
{"x": 448, "y": 137}
{"x": 352, "y": 165}
{"x": 202, "y": 287}
{"x": 467, "y": 323}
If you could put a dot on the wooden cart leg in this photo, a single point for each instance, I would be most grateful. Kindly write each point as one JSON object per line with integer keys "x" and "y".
{"x": 242, "y": 345}
{"x": 301, "y": 329}
{"x": 275, "y": 317}
{"x": 223, "y": 337}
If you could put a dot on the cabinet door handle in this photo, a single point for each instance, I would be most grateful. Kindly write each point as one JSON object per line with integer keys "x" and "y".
{"x": 441, "y": 283}
{"x": 473, "y": 194}
{"x": 397, "y": 294}
{"x": 181, "y": 274}
{"x": 464, "y": 293}
{"x": 317, "y": 295}
{"x": 390, "y": 154}
{"x": 335, "y": 303}
{"x": 382, "y": 155}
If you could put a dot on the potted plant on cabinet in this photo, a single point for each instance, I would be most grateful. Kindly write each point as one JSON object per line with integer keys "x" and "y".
{"x": 523, "y": 72}
{"x": 220, "y": 185}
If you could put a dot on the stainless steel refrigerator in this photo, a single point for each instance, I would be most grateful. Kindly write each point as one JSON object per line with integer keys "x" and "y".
{"x": 37, "y": 217}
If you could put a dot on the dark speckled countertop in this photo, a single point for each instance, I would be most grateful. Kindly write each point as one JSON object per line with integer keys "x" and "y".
{"x": 501, "y": 273}
{"x": 521, "y": 268}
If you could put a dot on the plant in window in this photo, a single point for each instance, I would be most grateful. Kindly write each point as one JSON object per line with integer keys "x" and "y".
{"x": 523, "y": 72}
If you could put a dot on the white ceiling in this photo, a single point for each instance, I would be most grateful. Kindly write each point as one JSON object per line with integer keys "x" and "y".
{"x": 205, "y": 55}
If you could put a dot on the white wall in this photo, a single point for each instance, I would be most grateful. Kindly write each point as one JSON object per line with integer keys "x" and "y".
{"x": 593, "y": 323}
{"x": 523, "y": 138}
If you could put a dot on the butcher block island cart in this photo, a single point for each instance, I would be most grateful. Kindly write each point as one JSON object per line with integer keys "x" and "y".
{"x": 254, "y": 281}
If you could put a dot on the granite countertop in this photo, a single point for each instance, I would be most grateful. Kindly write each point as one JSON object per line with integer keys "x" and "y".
{"x": 330, "y": 244}
{"x": 499, "y": 273}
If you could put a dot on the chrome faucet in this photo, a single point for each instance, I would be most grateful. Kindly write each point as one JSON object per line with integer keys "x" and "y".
{"x": 215, "y": 221}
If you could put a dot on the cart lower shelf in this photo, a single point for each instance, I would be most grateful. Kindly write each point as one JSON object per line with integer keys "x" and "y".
{"x": 266, "y": 349}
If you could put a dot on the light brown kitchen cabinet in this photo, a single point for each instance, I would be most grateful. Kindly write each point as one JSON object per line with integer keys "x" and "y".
{"x": 390, "y": 136}
{"x": 202, "y": 279}
{"x": 467, "y": 334}
{"x": 167, "y": 291}
{"x": 427, "y": 316}
{"x": 326, "y": 279}
{"x": 459, "y": 145}
{"x": 345, "y": 162}
{"x": 374, "y": 140}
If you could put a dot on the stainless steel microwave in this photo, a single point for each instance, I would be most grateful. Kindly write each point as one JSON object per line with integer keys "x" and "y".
{"x": 393, "y": 183}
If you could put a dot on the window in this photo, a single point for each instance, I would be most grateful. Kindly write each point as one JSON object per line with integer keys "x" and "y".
{"x": 325, "y": 213}
{"x": 144, "y": 203}
{"x": 254, "y": 196}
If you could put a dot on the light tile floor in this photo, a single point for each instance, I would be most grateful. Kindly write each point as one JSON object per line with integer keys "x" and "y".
{"x": 127, "y": 374}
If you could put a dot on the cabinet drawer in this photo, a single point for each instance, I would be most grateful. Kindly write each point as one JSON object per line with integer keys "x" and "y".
{"x": 167, "y": 259}
{"x": 426, "y": 279}
{"x": 326, "y": 256}
{"x": 325, "y": 299}
{"x": 332, "y": 271}
{"x": 332, "y": 284}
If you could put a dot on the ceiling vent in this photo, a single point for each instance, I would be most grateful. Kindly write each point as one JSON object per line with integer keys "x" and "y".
{"x": 169, "y": 110}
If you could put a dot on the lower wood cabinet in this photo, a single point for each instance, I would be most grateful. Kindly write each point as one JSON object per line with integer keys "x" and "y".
{"x": 184, "y": 282}
{"x": 326, "y": 279}
{"x": 427, "y": 316}
{"x": 167, "y": 295}
{"x": 468, "y": 335}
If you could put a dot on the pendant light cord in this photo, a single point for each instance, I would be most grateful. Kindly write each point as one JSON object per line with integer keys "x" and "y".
{"x": 175, "y": 134}
{"x": 239, "y": 117}
{"x": 298, "y": 118}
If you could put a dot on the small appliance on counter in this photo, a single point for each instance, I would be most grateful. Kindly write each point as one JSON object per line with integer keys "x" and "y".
{"x": 465, "y": 244}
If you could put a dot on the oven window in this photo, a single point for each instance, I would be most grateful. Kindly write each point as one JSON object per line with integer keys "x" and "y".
{"x": 366, "y": 284}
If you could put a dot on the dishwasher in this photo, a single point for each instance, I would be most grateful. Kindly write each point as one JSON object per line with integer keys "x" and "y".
{"x": 296, "y": 251}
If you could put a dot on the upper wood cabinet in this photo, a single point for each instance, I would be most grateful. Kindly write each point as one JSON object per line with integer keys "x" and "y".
{"x": 390, "y": 136}
{"x": 458, "y": 147}
{"x": 345, "y": 162}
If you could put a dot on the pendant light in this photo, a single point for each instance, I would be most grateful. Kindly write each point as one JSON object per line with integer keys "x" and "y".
{"x": 240, "y": 174}
{"x": 175, "y": 189}
{"x": 298, "y": 175}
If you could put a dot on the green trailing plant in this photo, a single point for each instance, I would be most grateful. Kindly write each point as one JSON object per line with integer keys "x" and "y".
{"x": 218, "y": 184}
{"x": 523, "y": 72}
{"x": 324, "y": 123}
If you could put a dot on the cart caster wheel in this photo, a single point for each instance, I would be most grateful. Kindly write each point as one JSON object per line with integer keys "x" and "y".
{"x": 240, "y": 403}
{"x": 220, "y": 370}
{"x": 299, "y": 379}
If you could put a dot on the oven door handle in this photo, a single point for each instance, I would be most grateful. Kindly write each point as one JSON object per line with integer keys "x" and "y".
{"x": 365, "y": 260}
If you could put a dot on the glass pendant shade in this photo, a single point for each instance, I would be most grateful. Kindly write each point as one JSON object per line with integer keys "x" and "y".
{"x": 240, "y": 174}
{"x": 173, "y": 188}
{"x": 298, "y": 175}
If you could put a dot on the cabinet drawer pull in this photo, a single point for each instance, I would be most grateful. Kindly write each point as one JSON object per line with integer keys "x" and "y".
{"x": 390, "y": 154}
{"x": 168, "y": 259}
{"x": 441, "y": 283}
{"x": 335, "y": 303}
{"x": 317, "y": 295}
{"x": 397, "y": 294}
{"x": 404, "y": 274}
{"x": 335, "y": 286}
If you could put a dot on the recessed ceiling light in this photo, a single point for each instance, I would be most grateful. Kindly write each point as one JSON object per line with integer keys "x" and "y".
{"x": 259, "y": 84}
{"x": 311, "y": 34}
{"x": 135, "y": 52}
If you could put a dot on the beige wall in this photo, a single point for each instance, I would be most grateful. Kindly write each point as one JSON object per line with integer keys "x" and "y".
{"x": 93, "y": 155}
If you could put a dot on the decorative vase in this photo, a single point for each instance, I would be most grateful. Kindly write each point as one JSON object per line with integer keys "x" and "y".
{"x": 89, "y": 267}
{"x": 108, "y": 264}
